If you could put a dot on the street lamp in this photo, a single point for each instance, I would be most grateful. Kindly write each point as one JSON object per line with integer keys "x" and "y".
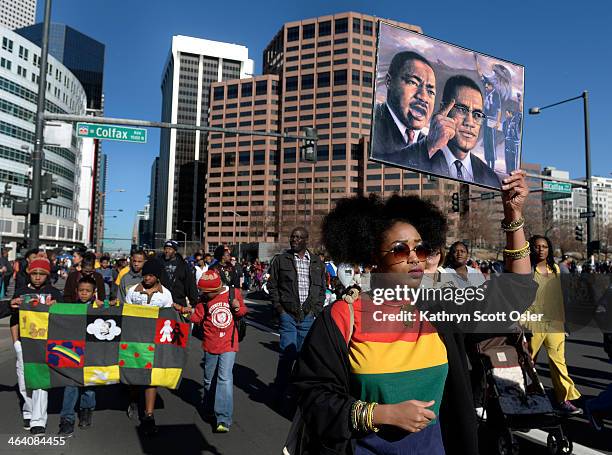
{"x": 236, "y": 214}
{"x": 185, "y": 243}
{"x": 587, "y": 147}
{"x": 113, "y": 210}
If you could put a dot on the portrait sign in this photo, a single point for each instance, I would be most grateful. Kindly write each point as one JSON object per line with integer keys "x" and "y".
{"x": 444, "y": 110}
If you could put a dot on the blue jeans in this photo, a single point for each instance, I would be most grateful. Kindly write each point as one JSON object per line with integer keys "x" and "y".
{"x": 219, "y": 367}
{"x": 71, "y": 394}
{"x": 292, "y": 335}
{"x": 602, "y": 402}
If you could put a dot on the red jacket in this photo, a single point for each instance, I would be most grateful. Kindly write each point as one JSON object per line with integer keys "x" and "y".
{"x": 217, "y": 318}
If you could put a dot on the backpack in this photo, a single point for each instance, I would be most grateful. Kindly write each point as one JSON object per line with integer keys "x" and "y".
{"x": 240, "y": 325}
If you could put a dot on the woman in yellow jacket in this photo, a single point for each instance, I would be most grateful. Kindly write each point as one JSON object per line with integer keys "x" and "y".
{"x": 550, "y": 331}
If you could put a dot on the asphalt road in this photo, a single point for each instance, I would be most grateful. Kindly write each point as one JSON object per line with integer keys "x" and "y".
{"x": 259, "y": 425}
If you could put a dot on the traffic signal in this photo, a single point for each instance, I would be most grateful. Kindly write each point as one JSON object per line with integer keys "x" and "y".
{"x": 455, "y": 202}
{"x": 309, "y": 146}
{"x": 47, "y": 190}
{"x": 579, "y": 231}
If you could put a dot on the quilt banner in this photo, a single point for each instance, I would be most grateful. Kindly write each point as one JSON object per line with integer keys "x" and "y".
{"x": 77, "y": 344}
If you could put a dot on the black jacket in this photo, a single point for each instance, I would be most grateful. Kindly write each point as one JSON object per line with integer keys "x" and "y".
{"x": 322, "y": 378}
{"x": 283, "y": 285}
{"x": 183, "y": 286}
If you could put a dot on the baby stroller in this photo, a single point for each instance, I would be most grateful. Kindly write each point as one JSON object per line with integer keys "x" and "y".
{"x": 514, "y": 398}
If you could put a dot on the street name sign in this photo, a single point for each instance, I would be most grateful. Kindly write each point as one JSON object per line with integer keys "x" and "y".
{"x": 112, "y": 132}
{"x": 557, "y": 187}
{"x": 553, "y": 196}
{"x": 587, "y": 215}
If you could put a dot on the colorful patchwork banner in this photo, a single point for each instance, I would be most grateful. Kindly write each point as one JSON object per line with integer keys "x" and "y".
{"x": 76, "y": 344}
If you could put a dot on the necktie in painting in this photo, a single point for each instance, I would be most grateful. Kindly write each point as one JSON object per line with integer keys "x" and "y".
{"x": 410, "y": 134}
{"x": 458, "y": 165}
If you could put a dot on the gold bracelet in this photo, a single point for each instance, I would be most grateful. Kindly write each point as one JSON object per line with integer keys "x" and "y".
{"x": 518, "y": 254}
{"x": 371, "y": 426}
{"x": 513, "y": 225}
{"x": 355, "y": 410}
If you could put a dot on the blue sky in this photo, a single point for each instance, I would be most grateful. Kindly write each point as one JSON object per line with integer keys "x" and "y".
{"x": 564, "y": 48}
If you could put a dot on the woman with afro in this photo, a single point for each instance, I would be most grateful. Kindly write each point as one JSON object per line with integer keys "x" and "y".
{"x": 399, "y": 386}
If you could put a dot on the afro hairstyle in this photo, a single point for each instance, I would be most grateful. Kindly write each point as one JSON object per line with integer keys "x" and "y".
{"x": 354, "y": 230}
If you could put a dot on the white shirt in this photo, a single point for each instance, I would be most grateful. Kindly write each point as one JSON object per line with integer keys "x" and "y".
{"x": 466, "y": 165}
{"x": 474, "y": 277}
{"x": 161, "y": 299}
{"x": 199, "y": 271}
{"x": 404, "y": 129}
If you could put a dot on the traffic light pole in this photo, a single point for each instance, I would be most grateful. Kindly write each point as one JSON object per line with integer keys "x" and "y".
{"x": 589, "y": 189}
{"x": 37, "y": 153}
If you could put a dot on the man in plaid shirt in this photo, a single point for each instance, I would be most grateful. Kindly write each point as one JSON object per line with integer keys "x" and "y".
{"x": 297, "y": 289}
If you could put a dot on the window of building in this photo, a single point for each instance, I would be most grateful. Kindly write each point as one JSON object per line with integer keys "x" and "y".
{"x": 244, "y": 158}
{"x": 218, "y": 93}
{"x": 23, "y": 53}
{"x": 230, "y": 159}
{"x": 308, "y": 31}
{"x": 356, "y": 77}
{"x": 261, "y": 88}
{"x": 289, "y": 156}
{"x": 356, "y": 25}
{"x": 232, "y": 91}
{"x": 323, "y": 79}
{"x": 368, "y": 28}
{"x": 4, "y": 63}
{"x": 340, "y": 77}
{"x": 246, "y": 90}
{"x": 341, "y": 25}
{"x": 325, "y": 28}
{"x": 259, "y": 157}
{"x": 339, "y": 152}
{"x": 291, "y": 84}
{"x": 307, "y": 81}
{"x": 367, "y": 79}
{"x": 7, "y": 44}
{"x": 293, "y": 34}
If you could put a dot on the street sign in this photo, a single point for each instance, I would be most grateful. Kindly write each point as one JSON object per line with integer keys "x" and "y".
{"x": 58, "y": 134}
{"x": 554, "y": 196}
{"x": 587, "y": 215}
{"x": 112, "y": 132}
{"x": 557, "y": 187}
{"x": 485, "y": 196}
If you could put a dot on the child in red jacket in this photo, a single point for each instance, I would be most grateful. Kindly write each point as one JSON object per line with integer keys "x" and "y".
{"x": 220, "y": 343}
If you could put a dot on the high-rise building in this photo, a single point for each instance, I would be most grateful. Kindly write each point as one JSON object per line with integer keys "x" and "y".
{"x": 325, "y": 68}
{"x": 84, "y": 57}
{"x": 17, "y": 13}
{"x": 242, "y": 185}
{"x": 19, "y": 73}
{"x": 192, "y": 66}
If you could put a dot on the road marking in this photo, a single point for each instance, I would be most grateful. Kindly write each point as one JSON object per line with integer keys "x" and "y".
{"x": 540, "y": 437}
{"x": 262, "y": 327}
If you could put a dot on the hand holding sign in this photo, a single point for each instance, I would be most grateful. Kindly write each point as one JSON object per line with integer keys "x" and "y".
{"x": 441, "y": 130}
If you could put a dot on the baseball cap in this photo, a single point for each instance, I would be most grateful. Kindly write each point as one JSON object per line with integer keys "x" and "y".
{"x": 171, "y": 244}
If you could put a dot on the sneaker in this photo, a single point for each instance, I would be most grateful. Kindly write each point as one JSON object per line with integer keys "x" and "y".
{"x": 148, "y": 425}
{"x": 66, "y": 428}
{"x": 481, "y": 413}
{"x": 222, "y": 429}
{"x": 594, "y": 418}
{"x": 566, "y": 407}
{"x": 132, "y": 411}
{"x": 38, "y": 430}
{"x": 26, "y": 424}
{"x": 85, "y": 418}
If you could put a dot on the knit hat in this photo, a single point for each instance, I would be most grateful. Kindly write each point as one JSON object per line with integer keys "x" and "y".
{"x": 210, "y": 281}
{"x": 171, "y": 244}
{"x": 40, "y": 264}
{"x": 152, "y": 267}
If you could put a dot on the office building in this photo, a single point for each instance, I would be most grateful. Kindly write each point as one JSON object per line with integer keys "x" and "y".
{"x": 19, "y": 72}
{"x": 17, "y": 13}
{"x": 193, "y": 64}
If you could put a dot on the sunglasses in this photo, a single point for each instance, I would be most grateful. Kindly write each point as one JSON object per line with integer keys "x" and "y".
{"x": 401, "y": 251}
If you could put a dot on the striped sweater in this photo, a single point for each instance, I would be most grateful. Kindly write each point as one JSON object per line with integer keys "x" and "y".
{"x": 393, "y": 362}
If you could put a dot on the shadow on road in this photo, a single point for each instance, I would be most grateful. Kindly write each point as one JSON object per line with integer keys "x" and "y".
{"x": 247, "y": 379}
{"x": 171, "y": 439}
{"x": 271, "y": 345}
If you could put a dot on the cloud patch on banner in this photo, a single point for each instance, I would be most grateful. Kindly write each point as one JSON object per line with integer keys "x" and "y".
{"x": 104, "y": 330}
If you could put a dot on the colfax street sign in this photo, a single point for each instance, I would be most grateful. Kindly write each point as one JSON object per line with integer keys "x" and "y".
{"x": 111, "y": 132}
{"x": 557, "y": 187}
